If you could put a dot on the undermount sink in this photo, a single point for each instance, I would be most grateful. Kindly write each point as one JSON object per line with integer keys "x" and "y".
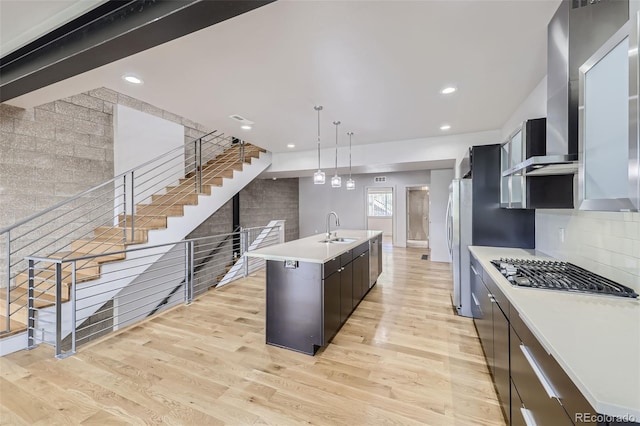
{"x": 339, "y": 241}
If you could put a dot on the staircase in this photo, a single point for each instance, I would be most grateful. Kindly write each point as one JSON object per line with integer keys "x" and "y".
{"x": 167, "y": 215}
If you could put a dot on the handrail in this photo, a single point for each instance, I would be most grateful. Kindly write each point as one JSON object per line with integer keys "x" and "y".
{"x": 137, "y": 288}
{"x": 88, "y": 191}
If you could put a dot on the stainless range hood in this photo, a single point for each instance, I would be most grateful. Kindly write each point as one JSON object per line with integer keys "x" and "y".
{"x": 575, "y": 32}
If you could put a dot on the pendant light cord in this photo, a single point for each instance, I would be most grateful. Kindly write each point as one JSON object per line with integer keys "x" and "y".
{"x": 337, "y": 123}
{"x": 350, "y": 134}
{"x": 318, "y": 109}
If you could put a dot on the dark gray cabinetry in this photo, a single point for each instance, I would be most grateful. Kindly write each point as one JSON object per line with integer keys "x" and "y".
{"x": 492, "y": 324}
{"x": 346, "y": 291}
{"x": 294, "y": 305}
{"x": 483, "y": 315}
{"x": 331, "y": 304}
{"x": 532, "y": 387}
{"x": 360, "y": 273}
{"x": 307, "y": 303}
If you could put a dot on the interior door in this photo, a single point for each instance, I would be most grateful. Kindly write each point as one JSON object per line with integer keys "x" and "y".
{"x": 418, "y": 217}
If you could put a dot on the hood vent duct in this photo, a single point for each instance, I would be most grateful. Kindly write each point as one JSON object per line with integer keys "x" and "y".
{"x": 574, "y": 34}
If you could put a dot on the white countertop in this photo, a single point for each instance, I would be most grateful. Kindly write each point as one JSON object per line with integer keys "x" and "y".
{"x": 595, "y": 339}
{"x": 310, "y": 249}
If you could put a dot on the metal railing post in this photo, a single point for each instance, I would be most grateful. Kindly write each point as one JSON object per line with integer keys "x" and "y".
{"x": 31, "y": 314}
{"x": 195, "y": 166}
{"x": 192, "y": 269}
{"x": 124, "y": 206}
{"x": 244, "y": 247}
{"x": 133, "y": 208}
{"x": 8, "y": 308}
{"x": 242, "y": 151}
{"x": 73, "y": 307}
{"x": 200, "y": 168}
{"x": 58, "y": 310}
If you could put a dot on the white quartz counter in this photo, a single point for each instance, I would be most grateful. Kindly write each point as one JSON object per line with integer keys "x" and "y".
{"x": 310, "y": 249}
{"x": 596, "y": 339}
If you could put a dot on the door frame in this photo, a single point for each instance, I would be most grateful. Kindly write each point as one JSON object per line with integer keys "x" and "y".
{"x": 424, "y": 187}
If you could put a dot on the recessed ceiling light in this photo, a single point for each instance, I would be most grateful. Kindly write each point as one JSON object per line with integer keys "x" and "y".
{"x": 290, "y": 145}
{"x": 245, "y": 127}
{"x": 133, "y": 79}
{"x": 448, "y": 90}
{"x": 445, "y": 127}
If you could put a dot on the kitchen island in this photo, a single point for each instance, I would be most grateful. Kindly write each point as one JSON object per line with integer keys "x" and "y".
{"x": 314, "y": 283}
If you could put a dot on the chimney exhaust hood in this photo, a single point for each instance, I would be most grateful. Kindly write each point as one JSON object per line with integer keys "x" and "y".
{"x": 575, "y": 32}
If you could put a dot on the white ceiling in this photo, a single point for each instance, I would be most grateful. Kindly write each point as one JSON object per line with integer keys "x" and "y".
{"x": 22, "y": 21}
{"x": 377, "y": 66}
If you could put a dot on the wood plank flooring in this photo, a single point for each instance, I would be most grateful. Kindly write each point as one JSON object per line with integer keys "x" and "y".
{"x": 402, "y": 358}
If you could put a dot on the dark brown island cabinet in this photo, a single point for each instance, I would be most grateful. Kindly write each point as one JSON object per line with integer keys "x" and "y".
{"x": 532, "y": 387}
{"x": 308, "y": 302}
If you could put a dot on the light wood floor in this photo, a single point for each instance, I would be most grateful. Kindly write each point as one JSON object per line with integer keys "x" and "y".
{"x": 403, "y": 358}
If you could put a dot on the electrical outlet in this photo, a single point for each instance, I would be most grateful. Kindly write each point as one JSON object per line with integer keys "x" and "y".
{"x": 561, "y": 234}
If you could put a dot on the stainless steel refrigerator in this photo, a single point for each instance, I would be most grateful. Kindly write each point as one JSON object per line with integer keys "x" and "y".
{"x": 474, "y": 217}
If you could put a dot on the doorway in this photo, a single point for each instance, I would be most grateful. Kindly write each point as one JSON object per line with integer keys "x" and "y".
{"x": 418, "y": 216}
{"x": 380, "y": 211}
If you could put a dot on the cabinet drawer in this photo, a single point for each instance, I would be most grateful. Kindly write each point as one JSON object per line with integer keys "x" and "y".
{"x": 360, "y": 249}
{"x": 330, "y": 267}
{"x": 476, "y": 265}
{"x": 535, "y": 389}
{"x": 570, "y": 396}
{"x": 346, "y": 257}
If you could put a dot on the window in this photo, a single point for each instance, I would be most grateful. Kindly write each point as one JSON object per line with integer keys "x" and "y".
{"x": 380, "y": 202}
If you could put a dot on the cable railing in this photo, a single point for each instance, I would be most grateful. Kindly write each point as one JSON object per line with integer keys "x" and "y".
{"x": 68, "y": 313}
{"x": 105, "y": 219}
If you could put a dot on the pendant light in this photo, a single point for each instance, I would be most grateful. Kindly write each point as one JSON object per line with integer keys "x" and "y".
{"x": 351, "y": 184}
{"x": 318, "y": 177}
{"x": 336, "y": 181}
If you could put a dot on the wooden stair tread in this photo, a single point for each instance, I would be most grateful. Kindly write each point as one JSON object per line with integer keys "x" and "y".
{"x": 42, "y": 299}
{"x": 15, "y": 327}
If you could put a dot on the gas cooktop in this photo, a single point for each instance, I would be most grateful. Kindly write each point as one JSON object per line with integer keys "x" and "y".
{"x": 563, "y": 276}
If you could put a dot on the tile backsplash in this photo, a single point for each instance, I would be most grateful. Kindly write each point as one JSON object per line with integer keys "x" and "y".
{"x": 607, "y": 243}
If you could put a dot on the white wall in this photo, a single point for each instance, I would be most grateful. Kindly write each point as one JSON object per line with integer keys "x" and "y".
{"x": 384, "y": 224}
{"x": 534, "y": 106}
{"x": 438, "y": 198}
{"x": 140, "y": 137}
{"x": 317, "y": 200}
{"x": 414, "y": 154}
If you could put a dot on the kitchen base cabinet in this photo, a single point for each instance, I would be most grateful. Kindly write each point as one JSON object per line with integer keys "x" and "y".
{"x": 536, "y": 391}
{"x": 360, "y": 274}
{"x": 346, "y": 291}
{"x": 307, "y": 303}
{"x": 331, "y": 306}
{"x": 501, "y": 376}
{"x": 294, "y": 305}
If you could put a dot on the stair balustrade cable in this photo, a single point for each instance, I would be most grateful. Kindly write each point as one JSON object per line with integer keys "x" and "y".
{"x": 113, "y": 215}
{"x": 69, "y": 313}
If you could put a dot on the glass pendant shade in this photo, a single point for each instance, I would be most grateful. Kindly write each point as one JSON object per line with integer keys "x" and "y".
{"x": 336, "y": 181}
{"x": 318, "y": 177}
{"x": 351, "y": 185}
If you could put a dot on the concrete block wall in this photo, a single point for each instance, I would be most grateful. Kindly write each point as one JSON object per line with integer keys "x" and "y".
{"x": 264, "y": 200}
{"x": 56, "y": 150}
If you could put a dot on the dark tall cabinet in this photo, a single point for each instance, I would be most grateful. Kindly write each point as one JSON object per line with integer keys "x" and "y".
{"x": 491, "y": 224}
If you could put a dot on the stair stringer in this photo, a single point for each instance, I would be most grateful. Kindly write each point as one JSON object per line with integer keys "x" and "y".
{"x": 92, "y": 295}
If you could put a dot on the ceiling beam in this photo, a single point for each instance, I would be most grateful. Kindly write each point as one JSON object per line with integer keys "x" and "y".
{"x": 112, "y": 31}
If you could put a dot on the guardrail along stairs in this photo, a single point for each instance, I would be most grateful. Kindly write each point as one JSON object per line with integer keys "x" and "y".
{"x": 159, "y": 202}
